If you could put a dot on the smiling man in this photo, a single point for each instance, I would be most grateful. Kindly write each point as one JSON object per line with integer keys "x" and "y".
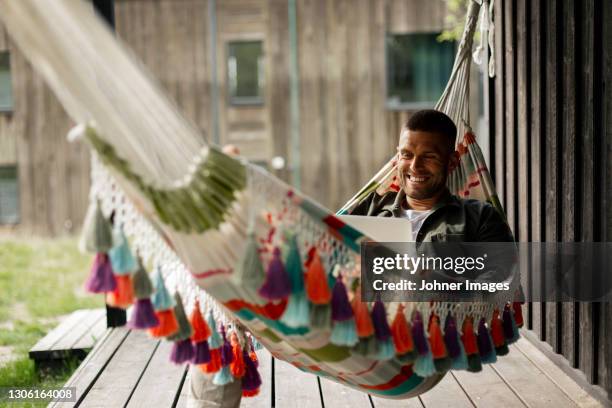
{"x": 426, "y": 156}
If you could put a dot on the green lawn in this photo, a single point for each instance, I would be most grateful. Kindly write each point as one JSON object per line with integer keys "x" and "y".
{"x": 40, "y": 280}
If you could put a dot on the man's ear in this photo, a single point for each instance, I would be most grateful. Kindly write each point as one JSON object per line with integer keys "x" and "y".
{"x": 453, "y": 161}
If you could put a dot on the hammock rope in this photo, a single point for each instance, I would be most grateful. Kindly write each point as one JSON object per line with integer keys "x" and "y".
{"x": 238, "y": 244}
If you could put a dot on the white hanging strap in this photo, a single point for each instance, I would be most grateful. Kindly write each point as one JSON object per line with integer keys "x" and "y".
{"x": 491, "y": 40}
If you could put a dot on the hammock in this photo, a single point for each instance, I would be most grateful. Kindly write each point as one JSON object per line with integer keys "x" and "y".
{"x": 267, "y": 258}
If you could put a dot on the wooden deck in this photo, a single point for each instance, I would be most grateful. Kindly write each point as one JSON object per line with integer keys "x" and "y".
{"x": 129, "y": 369}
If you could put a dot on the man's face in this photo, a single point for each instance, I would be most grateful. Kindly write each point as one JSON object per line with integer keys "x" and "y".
{"x": 424, "y": 162}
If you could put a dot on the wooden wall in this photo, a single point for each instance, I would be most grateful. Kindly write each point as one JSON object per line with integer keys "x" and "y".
{"x": 553, "y": 152}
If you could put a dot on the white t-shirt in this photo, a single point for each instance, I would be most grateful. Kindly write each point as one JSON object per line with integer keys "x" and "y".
{"x": 416, "y": 219}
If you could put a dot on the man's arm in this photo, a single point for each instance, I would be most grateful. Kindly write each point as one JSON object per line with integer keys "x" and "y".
{"x": 492, "y": 227}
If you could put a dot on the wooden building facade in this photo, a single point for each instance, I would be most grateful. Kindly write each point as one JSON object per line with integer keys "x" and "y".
{"x": 551, "y": 112}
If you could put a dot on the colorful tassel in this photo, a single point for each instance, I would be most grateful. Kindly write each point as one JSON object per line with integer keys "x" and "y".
{"x": 518, "y": 314}
{"x": 470, "y": 344}
{"x": 97, "y": 231}
{"x": 251, "y": 381}
{"x": 223, "y": 376}
{"x": 182, "y": 351}
{"x": 317, "y": 285}
{"x": 510, "y": 328}
{"x": 485, "y": 344}
{"x": 201, "y": 353}
{"x": 367, "y": 346}
{"x": 442, "y": 361}
{"x": 214, "y": 342}
{"x": 297, "y": 312}
{"x": 167, "y": 324}
{"x": 382, "y": 331}
{"x": 249, "y": 272}
{"x": 123, "y": 295}
{"x": 101, "y": 278}
{"x": 121, "y": 256}
{"x": 498, "y": 336}
{"x": 402, "y": 336}
{"x": 341, "y": 307}
{"x": 237, "y": 366}
{"x": 143, "y": 315}
{"x": 201, "y": 331}
{"x": 363, "y": 320}
{"x": 424, "y": 363}
{"x": 344, "y": 333}
{"x": 454, "y": 346}
{"x": 161, "y": 299}
{"x": 184, "y": 328}
{"x": 320, "y": 317}
{"x": 214, "y": 364}
{"x": 143, "y": 288}
{"x": 277, "y": 285}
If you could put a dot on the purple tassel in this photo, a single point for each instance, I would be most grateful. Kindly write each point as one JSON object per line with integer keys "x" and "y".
{"x": 143, "y": 315}
{"x": 277, "y": 285}
{"x": 451, "y": 337}
{"x": 227, "y": 356}
{"x": 418, "y": 334}
{"x": 101, "y": 278}
{"x": 201, "y": 354}
{"x": 182, "y": 351}
{"x": 379, "y": 319}
{"x": 341, "y": 307}
{"x": 251, "y": 380}
{"x": 484, "y": 343}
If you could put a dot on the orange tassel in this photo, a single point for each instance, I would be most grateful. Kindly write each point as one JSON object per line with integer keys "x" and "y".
{"x": 253, "y": 393}
{"x": 363, "y": 320}
{"x": 254, "y": 358}
{"x": 123, "y": 295}
{"x": 497, "y": 330}
{"x": 167, "y": 324}
{"x": 518, "y": 314}
{"x": 401, "y": 332}
{"x": 215, "y": 362}
{"x": 317, "y": 286}
{"x": 468, "y": 337}
{"x": 201, "y": 331}
{"x": 436, "y": 339}
{"x": 237, "y": 367}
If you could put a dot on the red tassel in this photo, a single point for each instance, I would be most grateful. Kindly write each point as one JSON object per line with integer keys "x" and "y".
{"x": 123, "y": 295}
{"x": 518, "y": 314}
{"x": 168, "y": 324}
{"x": 401, "y": 332}
{"x": 363, "y": 320}
{"x": 215, "y": 362}
{"x": 201, "y": 331}
{"x": 246, "y": 393}
{"x": 497, "y": 330}
{"x": 468, "y": 337}
{"x": 317, "y": 286}
{"x": 237, "y": 367}
{"x": 436, "y": 339}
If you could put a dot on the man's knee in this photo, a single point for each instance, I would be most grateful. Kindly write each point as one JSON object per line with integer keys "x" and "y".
{"x": 204, "y": 394}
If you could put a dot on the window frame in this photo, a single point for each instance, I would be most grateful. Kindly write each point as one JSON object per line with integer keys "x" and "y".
{"x": 17, "y": 219}
{"x": 237, "y": 101}
{"x": 8, "y": 108}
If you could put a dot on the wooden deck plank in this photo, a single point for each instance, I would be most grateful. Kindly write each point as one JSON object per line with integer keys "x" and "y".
{"x": 389, "y": 403}
{"x": 294, "y": 387}
{"x": 264, "y": 398}
{"x": 95, "y": 333}
{"x": 338, "y": 395}
{"x": 55, "y": 335}
{"x": 568, "y": 386}
{"x": 448, "y": 393}
{"x": 161, "y": 381}
{"x": 529, "y": 383}
{"x": 487, "y": 389}
{"x": 94, "y": 364}
{"x": 81, "y": 331}
{"x": 182, "y": 401}
{"x": 114, "y": 387}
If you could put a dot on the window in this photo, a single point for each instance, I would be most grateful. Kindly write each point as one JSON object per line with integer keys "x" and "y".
{"x": 245, "y": 72}
{"x": 418, "y": 67}
{"x": 9, "y": 195}
{"x": 6, "y": 87}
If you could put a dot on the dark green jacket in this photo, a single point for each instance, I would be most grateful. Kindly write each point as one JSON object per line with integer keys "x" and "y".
{"x": 453, "y": 218}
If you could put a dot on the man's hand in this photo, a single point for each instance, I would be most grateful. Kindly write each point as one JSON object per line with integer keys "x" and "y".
{"x": 231, "y": 150}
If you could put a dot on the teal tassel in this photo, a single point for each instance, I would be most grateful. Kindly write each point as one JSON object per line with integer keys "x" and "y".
{"x": 294, "y": 266}
{"x": 215, "y": 340}
{"x": 184, "y": 327}
{"x": 424, "y": 365}
{"x": 491, "y": 357}
{"x": 249, "y": 272}
{"x": 320, "y": 316}
{"x": 122, "y": 258}
{"x": 344, "y": 333}
{"x": 461, "y": 361}
{"x": 386, "y": 350}
{"x": 367, "y": 346}
{"x": 297, "y": 313}
{"x": 223, "y": 376}
{"x": 161, "y": 299}
{"x": 97, "y": 231}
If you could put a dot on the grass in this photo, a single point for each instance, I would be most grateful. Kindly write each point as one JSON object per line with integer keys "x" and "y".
{"x": 40, "y": 280}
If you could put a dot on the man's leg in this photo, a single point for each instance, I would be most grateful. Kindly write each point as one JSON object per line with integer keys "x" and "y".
{"x": 204, "y": 394}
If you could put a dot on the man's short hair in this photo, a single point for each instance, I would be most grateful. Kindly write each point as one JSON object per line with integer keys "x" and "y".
{"x": 431, "y": 120}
